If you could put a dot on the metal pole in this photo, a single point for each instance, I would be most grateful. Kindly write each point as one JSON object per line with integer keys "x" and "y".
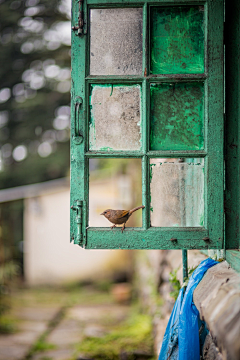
{"x": 185, "y": 267}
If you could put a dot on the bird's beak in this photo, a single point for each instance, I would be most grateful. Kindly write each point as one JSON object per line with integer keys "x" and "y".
{"x": 101, "y": 213}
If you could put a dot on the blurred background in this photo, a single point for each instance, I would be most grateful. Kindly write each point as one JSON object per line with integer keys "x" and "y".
{"x": 35, "y": 56}
{"x": 57, "y": 300}
{"x": 41, "y": 273}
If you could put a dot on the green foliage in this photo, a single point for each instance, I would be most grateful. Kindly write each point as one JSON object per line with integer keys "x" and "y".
{"x": 8, "y": 271}
{"x": 8, "y": 325}
{"x": 67, "y": 295}
{"x": 175, "y": 283}
{"x": 133, "y": 334}
{"x": 35, "y": 68}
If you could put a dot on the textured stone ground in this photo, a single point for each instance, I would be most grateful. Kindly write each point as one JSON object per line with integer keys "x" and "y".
{"x": 55, "y": 322}
{"x": 32, "y": 322}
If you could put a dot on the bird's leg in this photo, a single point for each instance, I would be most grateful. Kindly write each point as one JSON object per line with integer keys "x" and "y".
{"x": 113, "y": 226}
{"x": 123, "y": 227}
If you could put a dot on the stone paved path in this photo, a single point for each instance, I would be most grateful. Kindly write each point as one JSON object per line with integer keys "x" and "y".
{"x": 34, "y": 319}
{"x": 32, "y": 323}
{"x": 80, "y": 320}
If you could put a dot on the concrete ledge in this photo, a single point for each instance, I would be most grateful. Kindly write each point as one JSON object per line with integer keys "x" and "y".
{"x": 217, "y": 298}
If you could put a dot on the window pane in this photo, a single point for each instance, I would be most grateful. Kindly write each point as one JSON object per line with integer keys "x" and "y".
{"x": 116, "y": 41}
{"x": 115, "y": 119}
{"x": 114, "y": 184}
{"x": 177, "y": 116}
{"x": 177, "y": 40}
{"x": 177, "y": 192}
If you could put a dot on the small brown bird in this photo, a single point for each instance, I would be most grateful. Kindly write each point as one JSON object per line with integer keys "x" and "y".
{"x": 119, "y": 216}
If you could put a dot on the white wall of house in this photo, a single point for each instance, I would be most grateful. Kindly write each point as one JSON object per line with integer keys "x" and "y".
{"x": 49, "y": 258}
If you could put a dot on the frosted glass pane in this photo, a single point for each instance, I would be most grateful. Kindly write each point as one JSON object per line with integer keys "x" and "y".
{"x": 177, "y": 192}
{"x": 116, "y": 41}
{"x": 115, "y": 117}
{"x": 114, "y": 184}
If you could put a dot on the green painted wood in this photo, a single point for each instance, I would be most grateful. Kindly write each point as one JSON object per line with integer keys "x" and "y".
{"x": 101, "y": 79}
{"x": 153, "y": 238}
{"x": 185, "y": 267}
{"x": 232, "y": 125}
{"x": 177, "y": 40}
{"x": 177, "y": 116}
{"x": 145, "y": 40}
{"x": 177, "y": 154}
{"x": 78, "y": 179}
{"x": 151, "y": 154}
{"x": 147, "y": 237}
{"x": 233, "y": 258}
{"x": 214, "y": 124}
{"x": 128, "y": 3}
{"x": 176, "y": 77}
{"x": 114, "y": 154}
{"x": 145, "y": 192}
{"x": 135, "y": 78}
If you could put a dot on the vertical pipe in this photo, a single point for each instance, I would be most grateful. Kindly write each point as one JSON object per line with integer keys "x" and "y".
{"x": 185, "y": 266}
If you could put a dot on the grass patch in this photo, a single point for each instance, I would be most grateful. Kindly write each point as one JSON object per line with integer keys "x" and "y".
{"x": 174, "y": 281}
{"x": 42, "y": 345}
{"x": 63, "y": 296}
{"x": 133, "y": 334}
{"x": 7, "y": 325}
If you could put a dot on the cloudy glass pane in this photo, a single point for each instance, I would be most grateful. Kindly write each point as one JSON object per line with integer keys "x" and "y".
{"x": 177, "y": 192}
{"x": 116, "y": 41}
{"x": 115, "y": 117}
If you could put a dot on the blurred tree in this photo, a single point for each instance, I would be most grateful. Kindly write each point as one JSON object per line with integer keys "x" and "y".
{"x": 34, "y": 90}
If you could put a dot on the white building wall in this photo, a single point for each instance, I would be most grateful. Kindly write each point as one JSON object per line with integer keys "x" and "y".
{"x": 49, "y": 258}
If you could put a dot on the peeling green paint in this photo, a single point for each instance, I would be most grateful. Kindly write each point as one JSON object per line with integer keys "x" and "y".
{"x": 177, "y": 114}
{"x": 177, "y": 40}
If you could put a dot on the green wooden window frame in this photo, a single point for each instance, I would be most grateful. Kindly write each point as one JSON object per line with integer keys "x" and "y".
{"x": 211, "y": 235}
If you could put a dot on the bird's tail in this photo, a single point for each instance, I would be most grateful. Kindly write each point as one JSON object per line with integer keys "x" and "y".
{"x": 136, "y": 208}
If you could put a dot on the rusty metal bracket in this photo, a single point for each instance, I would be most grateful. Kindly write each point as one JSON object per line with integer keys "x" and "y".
{"x": 80, "y": 25}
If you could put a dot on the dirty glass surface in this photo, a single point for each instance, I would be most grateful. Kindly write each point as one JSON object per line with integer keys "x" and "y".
{"x": 177, "y": 116}
{"x": 114, "y": 184}
{"x": 115, "y": 117}
{"x": 177, "y": 192}
{"x": 177, "y": 40}
{"x": 116, "y": 41}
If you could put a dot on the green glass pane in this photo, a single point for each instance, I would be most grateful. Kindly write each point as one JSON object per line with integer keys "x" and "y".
{"x": 177, "y": 40}
{"x": 177, "y": 116}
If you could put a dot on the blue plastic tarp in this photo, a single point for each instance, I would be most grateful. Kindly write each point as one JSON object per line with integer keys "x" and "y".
{"x": 181, "y": 339}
